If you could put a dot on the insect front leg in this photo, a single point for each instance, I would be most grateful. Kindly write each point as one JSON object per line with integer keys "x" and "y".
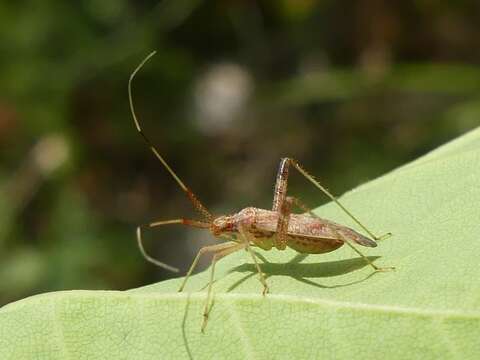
{"x": 247, "y": 237}
{"x": 220, "y": 253}
{"x": 206, "y": 249}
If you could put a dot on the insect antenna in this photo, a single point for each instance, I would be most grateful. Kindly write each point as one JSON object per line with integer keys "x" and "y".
{"x": 195, "y": 201}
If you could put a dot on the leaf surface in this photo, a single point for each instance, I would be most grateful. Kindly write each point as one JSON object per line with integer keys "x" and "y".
{"x": 320, "y": 306}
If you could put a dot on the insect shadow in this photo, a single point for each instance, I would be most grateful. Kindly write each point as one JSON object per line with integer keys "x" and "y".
{"x": 299, "y": 271}
{"x": 184, "y": 331}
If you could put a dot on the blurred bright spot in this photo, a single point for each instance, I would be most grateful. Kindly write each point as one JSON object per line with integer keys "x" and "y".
{"x": 221, "y": 95}
{"x": 50, "y": 153}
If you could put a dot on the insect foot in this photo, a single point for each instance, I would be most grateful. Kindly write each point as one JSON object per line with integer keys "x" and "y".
{"x": 265, "y": 290}
{"x": 204, "y": 323}
{"x": 383, "y": 236}
{"x": 384, "y": 269}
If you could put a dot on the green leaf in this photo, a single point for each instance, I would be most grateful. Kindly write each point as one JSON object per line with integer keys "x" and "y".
{"x": 320, "y": 306}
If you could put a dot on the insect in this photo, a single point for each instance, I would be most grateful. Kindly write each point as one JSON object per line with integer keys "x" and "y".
{"x": 278, "y": 228}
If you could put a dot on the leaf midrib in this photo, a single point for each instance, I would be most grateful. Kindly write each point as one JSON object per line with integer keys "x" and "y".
{"x": 344, "y": 305}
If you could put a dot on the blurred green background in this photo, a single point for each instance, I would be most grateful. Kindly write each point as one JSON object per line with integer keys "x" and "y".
{"x": 352, "y": 89}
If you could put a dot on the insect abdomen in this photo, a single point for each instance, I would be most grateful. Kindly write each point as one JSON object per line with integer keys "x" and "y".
{"x": 313, "y": 245}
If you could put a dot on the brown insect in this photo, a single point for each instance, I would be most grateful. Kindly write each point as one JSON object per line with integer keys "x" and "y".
{"x": 278, "y": 228}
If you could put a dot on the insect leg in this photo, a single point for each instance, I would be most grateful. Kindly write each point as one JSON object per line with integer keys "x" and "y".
{"x": 247, "y": 238}
{"x": 281, "y": 205}
{"x": 281, "y": 184}
{"x": 147, "y": 257}
{"x": 203, "y": 250}
{"x": 367, "y": 260}
{"x": 297, "y": 202}
{"x": 333, "y": 198}
{"x": 217, "y": 256}
{"x": 280, "y": 240}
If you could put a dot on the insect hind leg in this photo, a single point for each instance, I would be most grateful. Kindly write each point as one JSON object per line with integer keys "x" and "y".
{"x": 334, "y": 199}
{"x": 297, "y": 202}
{"x": 367, "y": 260}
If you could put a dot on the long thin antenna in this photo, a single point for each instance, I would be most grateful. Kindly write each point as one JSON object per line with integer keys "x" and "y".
{"x": 195, "y": 201}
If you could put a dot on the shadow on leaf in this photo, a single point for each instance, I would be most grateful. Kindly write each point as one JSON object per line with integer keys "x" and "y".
{"x": 300, "y": 272}
{"x": 184, "y": 333}
{"x": 295, "y": 269}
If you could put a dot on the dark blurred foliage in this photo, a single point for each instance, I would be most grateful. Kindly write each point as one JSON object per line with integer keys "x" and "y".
{"x": 352, "y": 89}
